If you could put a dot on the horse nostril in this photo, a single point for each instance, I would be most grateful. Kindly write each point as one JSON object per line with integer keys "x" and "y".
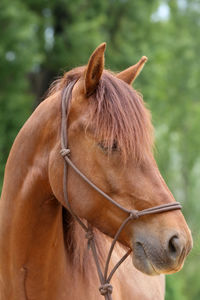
{"x": 174, "y": 247}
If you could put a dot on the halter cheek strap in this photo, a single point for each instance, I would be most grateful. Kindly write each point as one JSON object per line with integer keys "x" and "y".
{"x": 105, "y": 278}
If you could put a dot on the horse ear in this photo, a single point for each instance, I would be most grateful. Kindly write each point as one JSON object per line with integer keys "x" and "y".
{"x": 130, "y": 74}
{"x": 94, "y": 69}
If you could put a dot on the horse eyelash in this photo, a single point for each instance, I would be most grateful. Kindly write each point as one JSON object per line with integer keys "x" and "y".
{"x": 105, "y": 148}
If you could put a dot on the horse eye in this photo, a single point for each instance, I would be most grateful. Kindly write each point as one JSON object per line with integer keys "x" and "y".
{"x": 105, "y": 148}
{"x": 115, "y": 146}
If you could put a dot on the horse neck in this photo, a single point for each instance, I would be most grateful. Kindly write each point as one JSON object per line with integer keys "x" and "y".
{"x": 31, "y": 232}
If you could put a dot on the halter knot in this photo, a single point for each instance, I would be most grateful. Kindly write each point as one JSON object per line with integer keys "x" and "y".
{"x": 64, "y": 152}
{"x": 134, "y": 214}
{"x": 106, "y": 289}
{"x": 89, "y": 235}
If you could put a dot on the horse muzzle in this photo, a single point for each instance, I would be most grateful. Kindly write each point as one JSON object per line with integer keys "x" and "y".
{"x": 153, "y": 257}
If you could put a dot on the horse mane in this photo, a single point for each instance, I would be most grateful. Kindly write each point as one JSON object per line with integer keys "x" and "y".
{"x": 77, "y": 245}
{"x": 117, "y": 115}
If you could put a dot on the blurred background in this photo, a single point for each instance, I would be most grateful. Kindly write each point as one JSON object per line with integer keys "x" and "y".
{"x": 40, "y": 39}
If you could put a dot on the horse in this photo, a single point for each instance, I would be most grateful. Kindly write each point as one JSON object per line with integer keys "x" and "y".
{"x": 43, "y": 250}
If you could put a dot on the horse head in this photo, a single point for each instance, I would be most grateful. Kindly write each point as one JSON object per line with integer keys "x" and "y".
{"x": 110, "y": 139}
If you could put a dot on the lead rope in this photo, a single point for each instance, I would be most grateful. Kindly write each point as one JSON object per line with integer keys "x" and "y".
{"x": 105, "y": 287}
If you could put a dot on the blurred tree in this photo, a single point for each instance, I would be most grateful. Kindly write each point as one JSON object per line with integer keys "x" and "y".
{"x": 18, "y": 54}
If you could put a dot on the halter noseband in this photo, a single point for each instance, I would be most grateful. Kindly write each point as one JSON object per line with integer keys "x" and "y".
{"x": 105, "y": 287}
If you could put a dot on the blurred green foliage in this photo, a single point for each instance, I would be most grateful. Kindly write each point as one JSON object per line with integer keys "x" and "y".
{"x": 40, "y": 39}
